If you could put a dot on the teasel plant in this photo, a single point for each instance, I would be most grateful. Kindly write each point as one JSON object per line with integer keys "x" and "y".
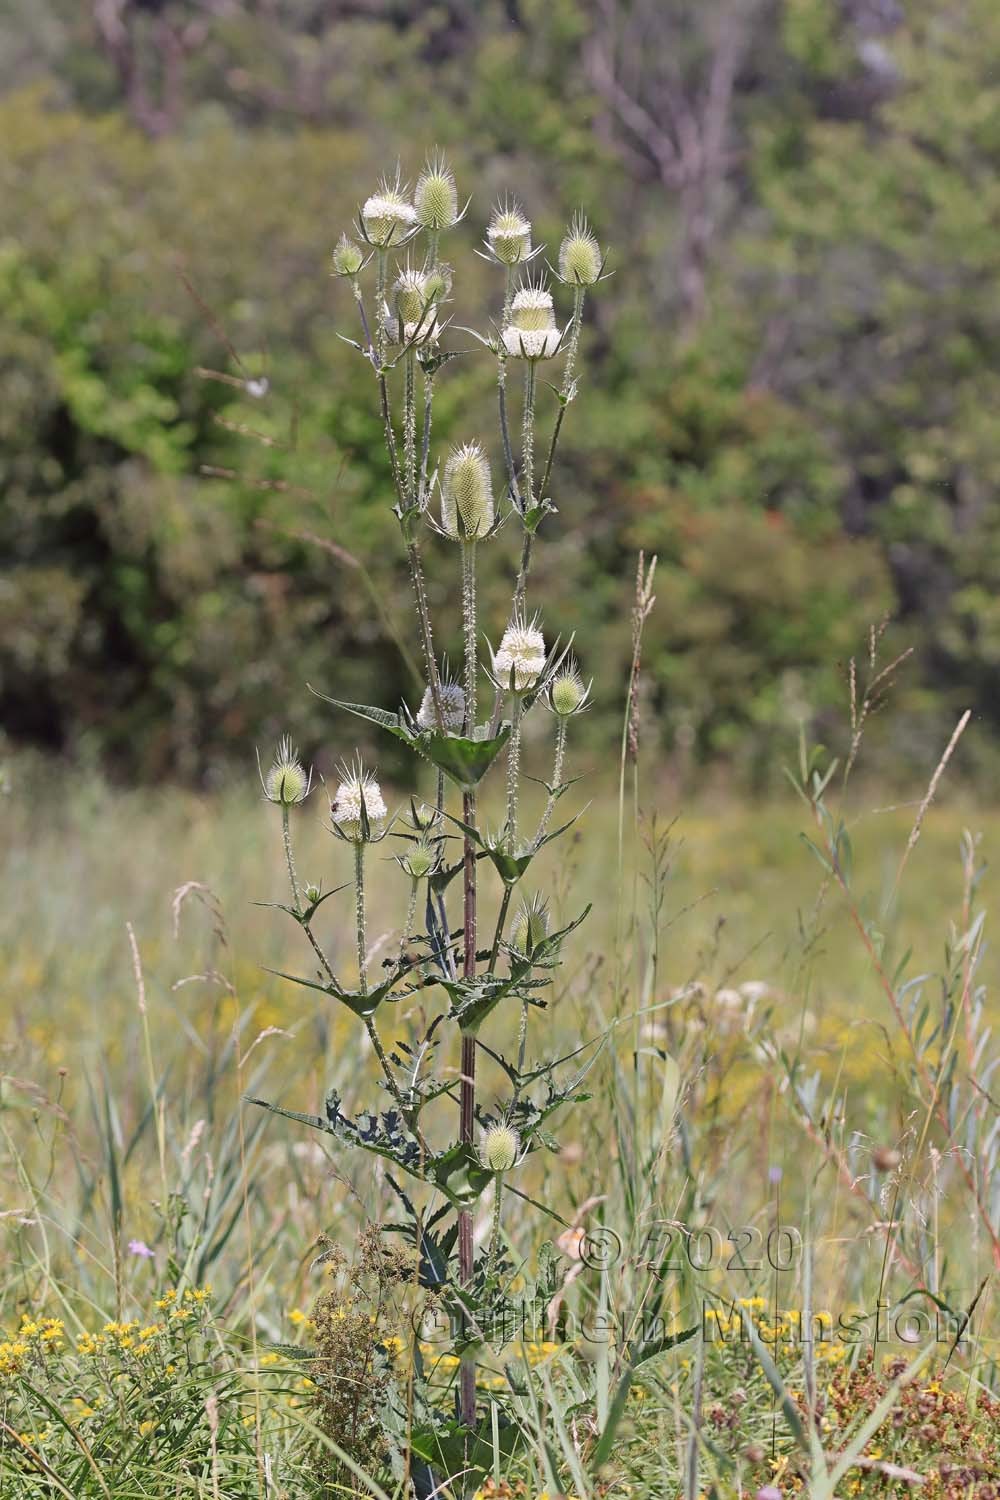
{"x": 468, "y": 722}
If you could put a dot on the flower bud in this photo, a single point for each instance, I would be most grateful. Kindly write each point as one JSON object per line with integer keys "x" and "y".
{"x": 312, "y": 894}
{"x": 286, "y": 782}
{"x": 509, "y": 235}
{"x": 521, "y": 656}
{"x": 530, "y": 927}
{"x": 437, "y": 284}
{"x": 358, "y": 789}
{"x": 409, "y": 294}
{"x": 567, "y": 693}
{"x": 579, "y": 254}
{"x": 436, "y": 196}
{"x": 347, "y": 257}
{"x": 387, "y": 216}
{"x": 499, "y": 1148}
{"x": 419, "y": 861}
{"x": 452, "y": 697}
{"x": 467, "y": 494}
{"x": 422, "y": 816}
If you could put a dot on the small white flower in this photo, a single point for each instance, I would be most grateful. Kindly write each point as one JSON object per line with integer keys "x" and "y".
{"x": 522, "y": 652}
{"x": 358, "y": 788}
{"x": 452, "y": 707}
{"x": 509, "y": 235}
{"x": 387, "y": 216}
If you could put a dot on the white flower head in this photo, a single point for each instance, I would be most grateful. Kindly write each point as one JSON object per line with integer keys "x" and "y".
{"x": 452, "y": 698}
{"x": 358, "y": 789}
{"x": 467, "y": 509}
{"x": 387, "y": 215}
{"x": 509, "y": 234}
{"x": 539, "y": 343}
{"x": 521, "y": 656}
{"x": 411, "y": 299}
{"x": 531, "y": 332}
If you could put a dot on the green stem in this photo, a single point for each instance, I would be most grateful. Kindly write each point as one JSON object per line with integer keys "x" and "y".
{"x": 424, "y": 620}
{"x": 289, "y": 860}
{"x": 567, "y": 382}
{"x": 426, "y": 436}
{"x": 491, "y": 1264}
{"x": 469, "y": 631}
{"x": 513, "y": 772}
{"x": 501, "y": 918}
{"x": 411, "y": 911}
{"x": 359, "y": 914}
{"x": 521, "y": 586}
{"x": 380, "y": 330}
{"x": 528, "y": 436}
{"x": 562, "y": 725}
{"x": 410, "y": 428}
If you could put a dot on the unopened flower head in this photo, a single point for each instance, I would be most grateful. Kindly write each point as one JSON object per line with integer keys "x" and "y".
{"x": 467, "y": 494}
{"x": 413, "y": 315}
{"x": 509, "y": 235}
{"x": 521, "y": 657}
{"x": 387, "y": 215}
{"x": 452, "y": 698}
{"x": 532, "y": 332}
{"x": 286, "y": 782}
{"x": 499, "y": 1148}
{"x": 358, "y": 788}
{"x": 437, "y": 284}
{"x": 436, "y": 196}
{"x": 567, "y": 694}
{"x": 348, "y": 257}
{"x": 579, "y": 254}
{"x": 419, "y": 861}
{"x": 530, "y": 927}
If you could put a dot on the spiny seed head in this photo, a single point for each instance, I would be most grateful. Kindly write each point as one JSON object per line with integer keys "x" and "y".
{"x": 531, "y": 310}
{"x": 286, "y": 782}
{"x": 567, "y": 692}
{"x": 347, "y": 257}
{"x": 452, "y": 696}
{"x": 530, "y": 927}
{"x": 467, "y": 493}
{"x": 387, "y": 215}
{"x": 419, "y": 861}
{"x": 358, "y": 788}
{"x": 437, "y": 284}
{"x": 522, "y": 652}
{"x": 579, "y": 254}
{"x": 509, "y": 234}
{"x": 410, "y": 295}
{"x": 436, "y": 196}
{"x": 499, "y": 1148}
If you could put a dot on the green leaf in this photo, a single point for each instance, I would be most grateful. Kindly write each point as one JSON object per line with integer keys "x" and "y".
{"x": 465, "y": 761}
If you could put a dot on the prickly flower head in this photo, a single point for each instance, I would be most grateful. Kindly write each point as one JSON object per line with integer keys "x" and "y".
{"x": 436, "y": 196}
{"x": 530, "y": 927}
{"x": 387, "y": 216}
{"x": 467, "y": 493}
{"x": 452, "y": 706}
{"x": 286, "y": 782}
{"x": 499, "y": 1148}
{"x": 410, "y": 301}
{"x": 509, "y": 235}
{"x": 567, "y": 693}
{"x": 358, "y": 788}
{"x": 348, "y": 257}
{"x": 531, "y": 332}
{"x": 579, "y": 254}
{"x": 521, "y": 655}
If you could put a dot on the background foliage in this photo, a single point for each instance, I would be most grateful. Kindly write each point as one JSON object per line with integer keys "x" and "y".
{"x": 797, "y": 358}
